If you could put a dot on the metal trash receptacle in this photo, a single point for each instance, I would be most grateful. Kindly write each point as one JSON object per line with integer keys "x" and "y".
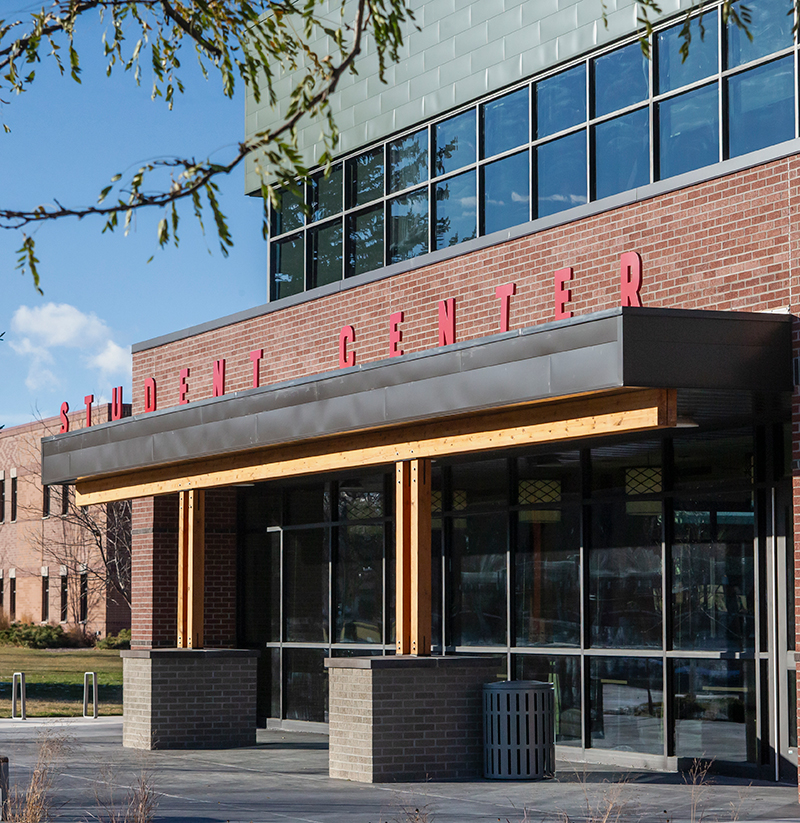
{"x": 519, "y": 730}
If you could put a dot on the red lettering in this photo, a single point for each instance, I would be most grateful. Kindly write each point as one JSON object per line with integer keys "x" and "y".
{"x": 183, "y": 387}
{"x": 630, "y": 271}
{"x": 116, "y": 403}
{"x": 150, "y": 394}
{"x": 503, "y": 294}
{"x": 219, "y": 377}
{"x": 395, "y": 333}
{"x": 64, "y": 419}
{"x": 89, "y": 399}
{"x": 255, "y": 357}
{"x": 563, "y": 294}
{"x": 447, "y": 321}
{"x": 346, "y": 358}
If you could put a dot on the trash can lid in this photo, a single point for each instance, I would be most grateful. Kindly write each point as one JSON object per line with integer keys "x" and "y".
{"x": 518, "y": 685}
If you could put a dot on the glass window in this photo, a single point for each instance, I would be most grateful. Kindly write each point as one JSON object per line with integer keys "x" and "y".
{"x": 408, "y": 226}
{"x": 622, "y": 153}
{"x": 770, "y": 25}
{"x": 625, "y": 594}
{"x": 712, "y": 574}
{"x": 548, "y": 478}
{"x": 701, "y": 60}
{"x": 307, "y": 504}
{"x": 478, "y": 562}
{"x": 715, "y": 709}
{"x": 456, "y": 210}
{"x": 361, "y": 498}
{"x": 479, "y": 485}
{"x": 688, "y": 131}
{"x": 365, "y": 177}
{"x": 506, "y": 192}
{"x": 358, "y": 594}
{"x": 288, "y": 264}
{"x": 288, "y": 214}
{"x": 325, "y": 193}
{"x": 505, "y": 123}
{"x": 547, "y": 580}
{"x": 408, "y": 161}
{"x": 305, "y": 685}
{"x": 305, "y": 593}
{"x": 761, "y": 107}
{"x": 260, "y": 588}
{"x": 365, "y": 241}
{"x": 620, "y": 79}
{"x": 629, "y": 469}
{"x": 565, "y": 675}
{"x": 455, "y": 143}
{"x": 561, "y": 174}
{"x": 325, "y": 254}
{"x": 561, "y": 101}
{"x": 627, "y": 698}
{"x": 713, "y": 458}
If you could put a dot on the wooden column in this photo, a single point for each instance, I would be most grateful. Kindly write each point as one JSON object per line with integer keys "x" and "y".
{"x": 191, "y": 569}
{"x": 413, "y": 557}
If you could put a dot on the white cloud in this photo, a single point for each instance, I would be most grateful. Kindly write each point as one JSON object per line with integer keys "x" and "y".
{"x": 42, "y": 333}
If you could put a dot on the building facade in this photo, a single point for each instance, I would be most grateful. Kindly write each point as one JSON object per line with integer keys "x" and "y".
{"x": 51, "y": 551}
{"x": 529, "y": 346}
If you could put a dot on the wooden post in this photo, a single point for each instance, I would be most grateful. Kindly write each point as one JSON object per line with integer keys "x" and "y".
{"x": 413, "y": 557}
{"x": 191, "y": 569}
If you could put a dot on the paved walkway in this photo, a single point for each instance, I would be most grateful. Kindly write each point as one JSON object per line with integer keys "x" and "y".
{"x": 285, "y": 778}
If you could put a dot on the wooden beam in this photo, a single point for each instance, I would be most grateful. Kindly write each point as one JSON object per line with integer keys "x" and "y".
{"x": 402, "y": 548}
{"x": 554, "y": 421}
{"x": 191, "y": 569}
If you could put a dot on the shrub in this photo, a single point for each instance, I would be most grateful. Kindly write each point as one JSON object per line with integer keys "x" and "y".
{"x": 116, "y": 641}
{"x": 34, "y": 636}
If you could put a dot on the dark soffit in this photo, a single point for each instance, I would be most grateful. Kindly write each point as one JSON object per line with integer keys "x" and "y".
{"x": 622, "y": 347}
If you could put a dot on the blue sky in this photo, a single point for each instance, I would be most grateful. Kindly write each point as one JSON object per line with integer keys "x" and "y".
{"x": 100, "y": 293}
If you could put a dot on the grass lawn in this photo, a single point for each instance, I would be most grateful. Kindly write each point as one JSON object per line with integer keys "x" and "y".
{"x": 54, "y": 679}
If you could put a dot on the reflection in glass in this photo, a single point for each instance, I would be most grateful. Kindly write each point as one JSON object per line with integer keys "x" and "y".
{"x": 326, "y": 193}
{"x": 325, "y": 254}
{"x": 620, "y": 79}
{"x": 561, "y": 101}
{"x": 478, "y": 558}
{"x": 365, "y": 241}
{"x": 288, "y": 215}
{"x": 770, "y": 26}
{"x": 358, "y": 597}
{"x": 305, "y": 592}
{"x": 288, "y": 264}
{"x": 547, "y": 580}
{"x": 564, "y": 674}
{"x": 261, "y": 588}
{"x": 307, "y": 504}
{"x": 715, "y": 709}
{"x": 625, "y": 596}
{"x": 701, "y": 61}
{"x": 436, "y": 584}
{"x": 505, "y": 123}
{"x": 361, "y": 498}
{"x": 688, "y": 131}
{"x": 455, "y": 143}
{"x": 305, "y": 685}
{"x": 408, "y": 226}
{"x": 761, "y": 107}
{"x": 408, "y": 161}
{"x": 456, "y": 210}
{"x": 561, "y": 174}
{"x": 621, "y": 153}
{"x": 630, "y": 469}
{"x": 506, "y": 192}
{"x": 712, "y": 458}
{"x": 627, "y": 704}
{"x": 365, "y": 177}
{"x": 479, "y": 485}
{"x": 274, "y": 658}
{"x": 548, "y": 478}
{"x": 712, "y": 574}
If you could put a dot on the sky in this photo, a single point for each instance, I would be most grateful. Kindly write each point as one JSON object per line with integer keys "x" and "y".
{"x": 101, "y": 294}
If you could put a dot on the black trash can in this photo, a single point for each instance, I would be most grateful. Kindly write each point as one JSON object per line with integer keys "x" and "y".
{"x": 519, "y": 730}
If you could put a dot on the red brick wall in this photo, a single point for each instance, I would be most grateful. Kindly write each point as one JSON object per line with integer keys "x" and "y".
{"x": 724, "y": 244}
{"x": 220, "y": 587}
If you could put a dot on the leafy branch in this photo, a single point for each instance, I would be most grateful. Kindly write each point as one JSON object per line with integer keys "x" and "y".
{"x": 253, "y": 41}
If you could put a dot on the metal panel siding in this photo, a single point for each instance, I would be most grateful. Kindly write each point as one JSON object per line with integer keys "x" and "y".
{"x": 494, "y": 44}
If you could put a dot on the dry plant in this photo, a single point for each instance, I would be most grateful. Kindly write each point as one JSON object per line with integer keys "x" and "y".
{"x": 34, "y": 804}
{"x": 697, "y": 780}
{"x": 141, "y": 802}
{"x": 610, "y": 804}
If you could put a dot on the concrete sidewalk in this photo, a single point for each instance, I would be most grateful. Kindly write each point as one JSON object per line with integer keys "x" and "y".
{"x": 285, "y": 778}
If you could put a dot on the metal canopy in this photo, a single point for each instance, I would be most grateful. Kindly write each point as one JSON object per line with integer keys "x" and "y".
{"x": 623, "y": 347}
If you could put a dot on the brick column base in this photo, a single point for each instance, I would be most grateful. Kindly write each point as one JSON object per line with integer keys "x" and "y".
{"x": 406, "y": 718}
{"x": 189, "y": 698}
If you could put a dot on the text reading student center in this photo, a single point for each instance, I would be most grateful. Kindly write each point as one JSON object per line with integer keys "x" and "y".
{"x": 521, "y": 405}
